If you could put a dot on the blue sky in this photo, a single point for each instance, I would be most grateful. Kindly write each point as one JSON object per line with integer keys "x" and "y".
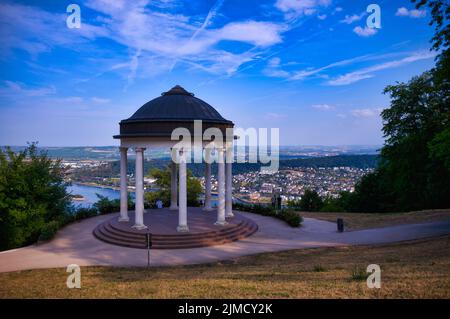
{"x": 309, "y": 67}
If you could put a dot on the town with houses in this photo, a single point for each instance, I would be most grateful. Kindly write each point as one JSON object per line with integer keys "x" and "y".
{"x": 254, "y": 187}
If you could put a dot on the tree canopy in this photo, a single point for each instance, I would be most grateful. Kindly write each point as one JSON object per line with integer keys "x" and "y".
{"x": 414, "y": 169}
{"x": 163, "y": 182}
{"x": 32, "y": 195}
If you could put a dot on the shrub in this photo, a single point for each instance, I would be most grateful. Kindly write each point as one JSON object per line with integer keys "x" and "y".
{"x": 359, "y": 274}
{"x": 82, "y": 213}
{"x": 290, "y": 217}
{"x": 32, "y": 194}
{"x": 68, "y": 217}
{"x": 106, "y": 206}
{"x": 49, "y": 230}
{"x": 287, "y": 215}
{"x": 332, "y": 205}
{"x": 319, "y": 268}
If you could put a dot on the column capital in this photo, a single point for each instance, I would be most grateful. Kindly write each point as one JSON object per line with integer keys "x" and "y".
{"x": 139, "y": 149}
{"x": 123, "y": 148}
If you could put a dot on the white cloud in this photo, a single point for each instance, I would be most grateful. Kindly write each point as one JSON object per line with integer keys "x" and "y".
{"x": 274, "y": 62}
{"x": 256, "y": 33}
{"x": 366, "y": 112}
{"x": 404, "y": 12}
{"x": 211, "y": 14}
{"x": 366, "y": 32}
{"x": 274, "y": 116}
{"x": 367, "y": 73}
{"x": 99, "y": 100}
{"x": 148, "y": 32}
{"x": 322, "y": 107}
{"x": 295, "y": 8}
{"x": 170, "y": 36}
{"x": 273, "y": 69}
{"x": 322, "y": 16}
{"x": 302, "y": 74}
{"x": 17, "y": 89}
{"x": 35, "y": 30}
{"x": 349, "y": 19}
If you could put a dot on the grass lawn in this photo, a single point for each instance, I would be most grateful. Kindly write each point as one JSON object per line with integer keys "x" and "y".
{"x": 354, "y": 221}
{"x": 416, "y": 269}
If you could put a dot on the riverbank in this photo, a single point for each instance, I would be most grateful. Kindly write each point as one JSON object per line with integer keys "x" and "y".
{"x": 96, "y": 185}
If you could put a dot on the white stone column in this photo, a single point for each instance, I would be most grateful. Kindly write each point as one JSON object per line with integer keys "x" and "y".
{"x": 221, "y": 188}
{"x": 123, "y": 185}
{"x": 207, "y": 206}
{"x": 228, "y": 183}
{"x": 173, "y": 186}
{"x": 182, "y": 206}
{"x": 139, "y": 177}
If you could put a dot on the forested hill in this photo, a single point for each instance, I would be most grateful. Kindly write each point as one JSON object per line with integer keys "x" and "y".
{"x": 358, "y": 161}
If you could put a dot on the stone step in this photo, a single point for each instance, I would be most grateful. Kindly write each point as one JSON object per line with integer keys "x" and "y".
{"x": 184, "y": 236}
{"x": 107, "y": 233}
{"x": 236, "y": 232}
{"x": 213, "y": 233}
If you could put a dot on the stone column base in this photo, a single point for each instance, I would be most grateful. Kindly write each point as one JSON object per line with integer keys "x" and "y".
{"x": 173, "y": 207}
{"x": 183, "y": 229}
{"x": 208, "y": 209}
{"x": 124, "y": 219}
{"x": 229, "y": 215}
{"x": 218, "y": 223}
{"x": 139, "y": 227}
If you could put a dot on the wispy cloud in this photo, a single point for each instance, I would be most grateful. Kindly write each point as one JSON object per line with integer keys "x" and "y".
{"x": 367, "y": 112}
{"x": 134, "y": 63}
{"x": 302, "y": 74}
{"x": 274, "y": 116}
{"x": 368, "y": 72}
{"x": 17, "y": 89}
{"x": 99, "y": 100}
{"x": 152, "y": 34}
{"x": 211, "y": 14}
{"x": 273, "y": 69}
{"x": 322, "y": 107}
{"x": 295, "y": 8}
{"x": 365, "y": 32}
{"x": 404, "y": 12}
{"x": 36, "y": 31}
{"x": 349, "y": 19}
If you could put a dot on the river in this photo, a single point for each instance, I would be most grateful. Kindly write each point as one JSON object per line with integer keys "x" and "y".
{"x": 89, "y": 193}
{"x": 90, "y": 197}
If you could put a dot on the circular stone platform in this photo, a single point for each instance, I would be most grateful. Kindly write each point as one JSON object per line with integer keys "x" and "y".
{"x": 162, "y": 224}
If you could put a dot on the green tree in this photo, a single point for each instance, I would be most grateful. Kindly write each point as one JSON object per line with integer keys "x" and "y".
{"x": 440, "y": 147}
{"x": 163, "y": 181}
{"x": 414, "y": 168}
{"x": 310, "y": 201}
{"x": 32, "y": 195}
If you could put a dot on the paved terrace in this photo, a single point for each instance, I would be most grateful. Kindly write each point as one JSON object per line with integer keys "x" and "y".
{"x": 75, "y": 244}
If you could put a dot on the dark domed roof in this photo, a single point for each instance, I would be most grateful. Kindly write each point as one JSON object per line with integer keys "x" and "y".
{"x": 174, "y": 108}
{"x": 177, "y": 104}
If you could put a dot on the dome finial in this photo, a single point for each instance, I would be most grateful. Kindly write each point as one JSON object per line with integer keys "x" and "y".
{"x": 177, "y": 90}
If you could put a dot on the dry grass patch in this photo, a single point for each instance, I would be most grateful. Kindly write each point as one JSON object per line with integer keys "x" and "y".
{"x": 355, "y": 221}
{"x": 416, "y": 269}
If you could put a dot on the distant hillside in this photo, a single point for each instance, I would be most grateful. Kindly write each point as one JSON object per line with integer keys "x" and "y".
{"x": 109, "y": 153}
{"x": 358, "y": 161}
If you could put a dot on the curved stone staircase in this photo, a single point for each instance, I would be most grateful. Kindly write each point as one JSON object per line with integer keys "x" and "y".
{"x": 111, "y": 232}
